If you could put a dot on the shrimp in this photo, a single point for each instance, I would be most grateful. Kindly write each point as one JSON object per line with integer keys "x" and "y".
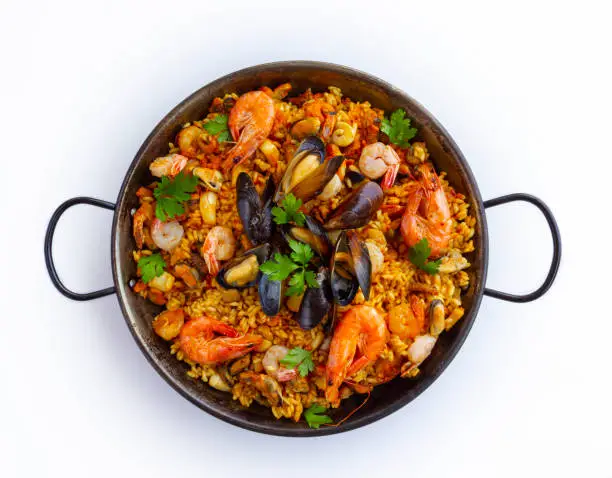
{"x": 271, "y": 365}
{"x": 169, "y": 165}
{"x": 166, "y": 235}
{"x": 363, "y": 328}
{"x": 220, "y": 245}
{"x": 198, "y": 342}
{"x": 142, "y": 216}
{"x": 427, "y": 214}
{"x": 379, "y": 159}
{"x": 407, "y": 320}
{"x": 265, "y": 385}
{"x": 418, "y": 351}
{"x": 169, "y": 323}
{"x": 250, "y": 123}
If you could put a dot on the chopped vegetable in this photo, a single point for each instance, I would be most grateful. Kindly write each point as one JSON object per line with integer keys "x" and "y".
{"x": 418, "y": 256}
{"x": 297, "y": 264}
{"x": 398, "y": 128}
{"x": 171, "y": 193}
{"x": 289, "y": 211}
{"x": 314, "y": 418}
{"x": 218, "y": 127}
{"x": 151, "y": 266}
{"x": 300, "y": 358}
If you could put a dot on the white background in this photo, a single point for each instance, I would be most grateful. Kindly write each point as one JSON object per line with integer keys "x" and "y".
{"x": 523, "y": 88}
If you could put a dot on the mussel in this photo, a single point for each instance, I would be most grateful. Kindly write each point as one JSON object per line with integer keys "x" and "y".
{"x": 317, "y": 301}
{"x": 242, "y": 272}
{"x": 358, "y": 209}
{"x": 351, "y": 269}
{"x": 270, "y": 294}
{"x": 255, "y": 212}
{"x": 312, "y": 234}
{"x": 308, "y": 173}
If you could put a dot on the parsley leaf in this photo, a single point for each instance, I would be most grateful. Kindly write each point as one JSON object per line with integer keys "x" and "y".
{"x": 302, "y": 253}
{"x": 279, "y": 268}
{"x": 398, "y": 128}
{"x": 282, "y": 266}
{"x": 311, "y": 279}
{"x": 418, "y": 256}
{"x": 314, "y": 418}
{"x": 296, "y": 283}
{"x": 289, "y": 211}
{"x": 218, "y": 127}
{"x": 151, "y": 266}
{"x": 300, "y": 358}
{"x": 171, "y": 193}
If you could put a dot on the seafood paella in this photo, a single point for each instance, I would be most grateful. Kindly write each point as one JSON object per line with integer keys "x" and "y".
{"x": 303, "y": 248}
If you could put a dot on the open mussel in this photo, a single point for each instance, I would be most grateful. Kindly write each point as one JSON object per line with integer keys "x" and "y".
{"x": 312, "y": 234}
{"x": 358, "y": 209}
{"x": 242, "y": 272}
{"x": 308, "y": 173}
{"x": 255, "y": 212}
{"x": 351, "y": 269}
{"x": 317, "y": 301}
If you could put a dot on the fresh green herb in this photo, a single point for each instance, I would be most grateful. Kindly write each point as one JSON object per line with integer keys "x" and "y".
{"x": 280, "y": 268}
{"x": 151, "y": 266}
{"x": 297, "y": 264}
{"x": 218, "y": 127}
{"x": 314, "y": 418}
{"x": 418, "y": 256}
{"x": 398, "y": 128}
{"x": 289, "y": 211}
{"x": 171, "y": 193}
{"x": 300, "y": 358}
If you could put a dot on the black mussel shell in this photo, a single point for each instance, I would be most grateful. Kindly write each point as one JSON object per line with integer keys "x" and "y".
{"x": 314, "y": 183}
{"x": 242, "y": 272}
{"x": 317, "y": 302}
{"x": 358, "y": 209}
{"x": 362, "y": 265}
{"x": 270, "y": 295}
{"x": 354, "y": 176}
{"x": 344, "y": 285}
{"x": 256, "y": 216}
{"x": 312, "y": 234}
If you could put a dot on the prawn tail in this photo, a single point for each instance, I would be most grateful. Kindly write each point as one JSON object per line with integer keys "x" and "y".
{"x": 390, "y": 176}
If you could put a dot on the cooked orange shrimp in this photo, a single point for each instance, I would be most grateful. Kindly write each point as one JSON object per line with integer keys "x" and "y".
{"x": 407, "y": 320}
{"x": 427, "y": 214}
{"x": 142, "y": 217}
{"x": 169, "y": 165}
{"x": 379, "y": 159}
{"x": 250, "y": 123}
{"x": 166, "y": 235}
{"x": 363, "y": 328}
{"x": 198, "y": 342}
{"x": 265, "y": 385}
{"x": 220, "y": 245}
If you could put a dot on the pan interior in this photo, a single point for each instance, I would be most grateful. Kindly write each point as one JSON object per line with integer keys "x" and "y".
{"x": 139, "y": 313}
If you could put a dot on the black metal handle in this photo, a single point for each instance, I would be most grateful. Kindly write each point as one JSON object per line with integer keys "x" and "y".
{"x": 556, "y": 237}
{"x": 49, "y": 253}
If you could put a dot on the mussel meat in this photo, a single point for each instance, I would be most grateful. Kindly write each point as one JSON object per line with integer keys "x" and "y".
{"x": 255, "y": 212}
{"x": 351, "y": 269}
{"x": 358, "y": 209}
{"x": 313, "y": 234}
{"x": 242, "y": 272}
{"x": 307, "y": 173}
{"x": 317, "y": 301}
